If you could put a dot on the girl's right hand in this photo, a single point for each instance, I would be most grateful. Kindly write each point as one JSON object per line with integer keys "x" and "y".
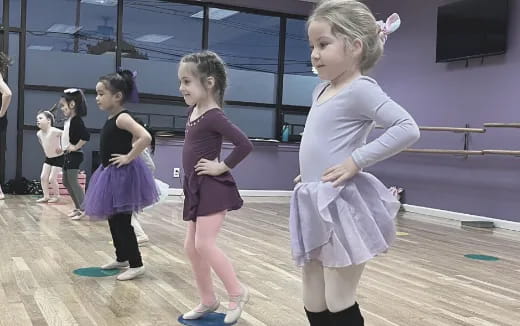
{"x": 298, "y": 179}
{"x": 58, "y": 151}
{"x": 120, "y": 159}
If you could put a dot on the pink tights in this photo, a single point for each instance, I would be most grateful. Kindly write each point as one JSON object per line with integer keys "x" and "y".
{"x": 200, "y": 245}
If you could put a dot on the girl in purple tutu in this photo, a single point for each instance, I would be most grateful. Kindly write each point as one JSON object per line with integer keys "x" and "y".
{"x": 122, "y": 184}
{"x": 209, "y": 188}
{"x": 340, "y": 216}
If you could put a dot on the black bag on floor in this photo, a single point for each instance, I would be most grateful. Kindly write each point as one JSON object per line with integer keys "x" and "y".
{"x": 35, "y": 188}
{"x": 20, "y": 186}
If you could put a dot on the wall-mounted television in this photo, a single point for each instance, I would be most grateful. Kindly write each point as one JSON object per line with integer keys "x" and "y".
{"x": 471, "y": 28}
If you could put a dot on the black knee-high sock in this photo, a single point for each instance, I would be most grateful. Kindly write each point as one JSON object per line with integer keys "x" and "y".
{"x": 322, "y": 318}
{"x": 348, "y": 317}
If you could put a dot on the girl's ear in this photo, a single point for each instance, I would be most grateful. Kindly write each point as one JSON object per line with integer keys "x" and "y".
{"x": 119, "y": 96}
{"x": 210, "y": 82}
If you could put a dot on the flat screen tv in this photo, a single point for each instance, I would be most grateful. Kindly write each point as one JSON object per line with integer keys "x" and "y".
{"x": 471, "y": 28}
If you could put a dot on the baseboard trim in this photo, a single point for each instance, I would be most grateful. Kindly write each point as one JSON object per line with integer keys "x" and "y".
{"x": 439, "y": 213}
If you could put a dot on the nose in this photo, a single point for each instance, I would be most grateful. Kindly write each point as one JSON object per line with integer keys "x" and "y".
{"x": 315, "y": 56}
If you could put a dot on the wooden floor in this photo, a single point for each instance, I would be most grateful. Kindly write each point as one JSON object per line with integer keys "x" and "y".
{"x": 424, "y": 280}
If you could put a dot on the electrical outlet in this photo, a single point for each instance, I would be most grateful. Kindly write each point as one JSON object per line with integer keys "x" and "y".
{"x": 176, "y": 173}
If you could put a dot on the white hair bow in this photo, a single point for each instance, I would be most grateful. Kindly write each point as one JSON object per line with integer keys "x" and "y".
{"x": 391, "y": 25}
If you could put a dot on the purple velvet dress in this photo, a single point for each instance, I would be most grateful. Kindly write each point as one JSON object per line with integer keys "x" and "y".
{"x": 206, "y": 195}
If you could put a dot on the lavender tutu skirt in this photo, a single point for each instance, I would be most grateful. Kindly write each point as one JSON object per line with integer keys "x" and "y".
{"x": 114, "y": 190}
{"x": 342, "y": 226}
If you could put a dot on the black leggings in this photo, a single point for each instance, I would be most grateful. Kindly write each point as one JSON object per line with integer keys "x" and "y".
{"x": 124, "y": 239}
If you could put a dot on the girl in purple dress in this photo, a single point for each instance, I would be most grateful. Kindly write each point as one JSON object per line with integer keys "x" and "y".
{"x": 209, "y": 188}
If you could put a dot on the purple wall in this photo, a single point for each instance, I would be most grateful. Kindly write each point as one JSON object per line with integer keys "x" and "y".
{"x": 269, "y": 167}
{"x": 436, "y": 95}
{"x": 440, "y": 94}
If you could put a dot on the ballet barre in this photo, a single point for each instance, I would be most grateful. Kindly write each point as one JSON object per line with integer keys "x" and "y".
{"x": 502, "y": 125}
{"x": 451, "y": 129}
{"x": 464, "y": 152}
{"x": 501, "y": 152}
{"x": 164, "y": 134}
{"x": 443, "y": 151}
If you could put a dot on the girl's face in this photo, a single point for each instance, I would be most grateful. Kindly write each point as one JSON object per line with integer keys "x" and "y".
{"x": 67, "y": 108}
{"x": 331, "y": 55}
{"x": 42, "y": 122}
{"x": 105, "y": 99}
{"x": 190, "y": 85}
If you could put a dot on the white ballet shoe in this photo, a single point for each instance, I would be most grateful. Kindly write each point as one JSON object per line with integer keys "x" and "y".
{"x": 142, "y": 240}
{"x": 42, "y": 200}
{"x": 201, "y": 310}
{"x": 131, "y": 273}
{"x": 116, "y": 265}
{"x": 74, "y": 213}
{"x": 78, "y": 216}
{"x": 232, "y": 315}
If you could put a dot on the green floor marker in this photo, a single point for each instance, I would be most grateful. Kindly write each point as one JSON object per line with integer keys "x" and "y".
{"x": 95, "y": 272}
{"x": 481, "y": 257}
{"x": 400, "y": 234}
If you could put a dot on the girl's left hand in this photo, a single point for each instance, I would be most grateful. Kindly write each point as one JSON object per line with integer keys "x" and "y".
{"x": 119, "y": 160}
{"x": 212, "y": 168}
{"x": 71, "y": 148}
{"x": 338, "y": 174}
{"x": 58, "y": 151}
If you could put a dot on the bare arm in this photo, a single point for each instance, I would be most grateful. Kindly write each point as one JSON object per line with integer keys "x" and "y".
{"x": 6, "y": 96}
{"x": 38, "y": 134}
{"x": 77, "y": 147}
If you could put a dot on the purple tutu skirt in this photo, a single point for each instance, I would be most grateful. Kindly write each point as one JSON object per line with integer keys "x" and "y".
{"x": 114, "y": 190}
{"x": 342, "y": 226}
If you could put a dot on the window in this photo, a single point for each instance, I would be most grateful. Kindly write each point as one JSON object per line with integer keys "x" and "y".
{"x": 161, "y": 116}
{"x": 70, "y": 43}
{"x": 157, "y": 34}
{"x": 295, "y": 122}
{"x": 248, "y": 43}
{"x": 15, "y": 9}
{"x": 299, "y": 81}
{"x": 255, "y": 122}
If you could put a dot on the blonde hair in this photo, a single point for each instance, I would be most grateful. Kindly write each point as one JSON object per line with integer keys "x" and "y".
{"x": 353, "y": 20}
{"x": 48, "y": 115}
